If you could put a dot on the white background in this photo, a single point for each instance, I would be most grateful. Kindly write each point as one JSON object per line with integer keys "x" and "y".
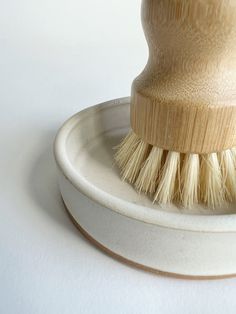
{"x": 57, "y": 57}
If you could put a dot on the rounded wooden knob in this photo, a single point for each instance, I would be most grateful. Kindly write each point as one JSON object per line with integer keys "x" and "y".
{"x": 185, "y": 99}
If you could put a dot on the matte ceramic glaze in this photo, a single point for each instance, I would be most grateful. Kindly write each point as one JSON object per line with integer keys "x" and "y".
{"x": 200, "y": 242}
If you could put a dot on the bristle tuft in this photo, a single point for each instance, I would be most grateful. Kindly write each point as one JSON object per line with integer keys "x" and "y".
{"x": 169, "y": 176}
{"x": 166, "y": 186}
{"x": 211, "y": 181}
{"x": 227, "y": 159}
{"x": 147, "y": 179}
{"x": 132, "y": 168}
{"x": 190, "y": 180}
{"x": 126, "y": 149}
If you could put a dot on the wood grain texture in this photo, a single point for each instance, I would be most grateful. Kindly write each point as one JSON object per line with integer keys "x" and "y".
{"x": 185, "y": 98}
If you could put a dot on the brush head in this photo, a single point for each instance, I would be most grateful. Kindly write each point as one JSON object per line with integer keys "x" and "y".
{"x": 183, "y": 105}
{"x": 169, "y": 176}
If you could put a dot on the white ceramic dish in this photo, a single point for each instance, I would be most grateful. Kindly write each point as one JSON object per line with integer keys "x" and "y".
{"x": 199, "y": 243}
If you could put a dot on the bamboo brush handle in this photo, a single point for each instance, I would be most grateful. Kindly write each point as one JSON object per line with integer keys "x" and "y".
{"x": 185, "y": 99}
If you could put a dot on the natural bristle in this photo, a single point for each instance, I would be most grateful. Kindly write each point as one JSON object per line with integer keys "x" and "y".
{"x": 166, "y": 186}
{"x": 211, "y": 184}
{"x": 190, "y": 180}
{"x": 148, "y": 176}
{"x": 170, "y": 176}
{"x": 228, "y": 166}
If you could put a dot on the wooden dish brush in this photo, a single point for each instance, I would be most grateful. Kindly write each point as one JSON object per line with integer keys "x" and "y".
{"x": 183, "y": 105}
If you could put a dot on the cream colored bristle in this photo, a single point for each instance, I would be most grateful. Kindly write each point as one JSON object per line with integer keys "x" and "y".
{"x": 131, "y": 170}
{"x": 169, "y": 176}
{"x": 166, "y": 186}
{"x": 212, "y": 190}
{"x": 227, "y": 159}
{"x": 190, "y": 180}
{"x": 126, "y": 148}
{"x": 233, "y": 151}
{"x": 147, "y": 179}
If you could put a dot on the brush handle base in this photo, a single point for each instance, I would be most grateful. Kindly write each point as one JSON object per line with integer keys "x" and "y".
{"x": 182, "y": 128}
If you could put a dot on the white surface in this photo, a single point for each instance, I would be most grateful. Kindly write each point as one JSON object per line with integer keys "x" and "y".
{"x": 53, "y": 62}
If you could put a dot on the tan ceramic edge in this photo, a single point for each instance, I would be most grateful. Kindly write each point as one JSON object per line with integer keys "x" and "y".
{"x": 131, "y": 263}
